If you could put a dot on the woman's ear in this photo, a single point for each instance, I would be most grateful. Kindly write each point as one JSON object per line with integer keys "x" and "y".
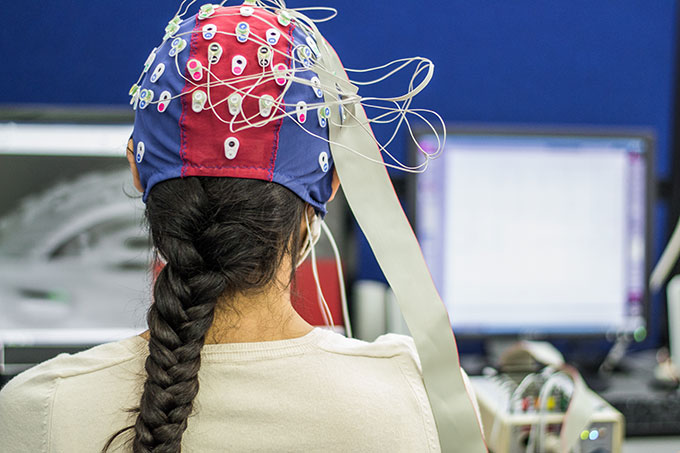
{"x": 133, "y": 166}
{"x": 335, "y": 184}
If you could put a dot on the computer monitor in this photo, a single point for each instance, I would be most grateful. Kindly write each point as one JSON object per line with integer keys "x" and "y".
{"x": 73, "y": 250}
{"x": 538, "y": 233}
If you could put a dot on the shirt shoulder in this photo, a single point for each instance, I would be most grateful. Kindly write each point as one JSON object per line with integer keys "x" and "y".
{"x": 385, "y": 346}
{"x": 397, "y": 350}
{"x": 27, "y": 402}
{"x": 63, "y": 366}
{"x": 390, "y": 346}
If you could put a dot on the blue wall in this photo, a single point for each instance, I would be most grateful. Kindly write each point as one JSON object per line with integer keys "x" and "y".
{"x": 606, "y": 62}
{"x": 526, "y": 61}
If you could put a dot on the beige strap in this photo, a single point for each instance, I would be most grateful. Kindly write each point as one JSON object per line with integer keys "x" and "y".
{"x": 371, "y": 197}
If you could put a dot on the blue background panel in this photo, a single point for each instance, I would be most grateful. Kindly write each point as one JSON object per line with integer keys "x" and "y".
{"x": 566, "y": 61}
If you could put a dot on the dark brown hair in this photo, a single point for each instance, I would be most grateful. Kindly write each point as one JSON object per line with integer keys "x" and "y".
{"x": 220, "y": 237}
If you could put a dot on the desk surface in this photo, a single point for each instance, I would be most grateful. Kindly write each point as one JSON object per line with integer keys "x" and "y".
{"x": 652, "y": 445}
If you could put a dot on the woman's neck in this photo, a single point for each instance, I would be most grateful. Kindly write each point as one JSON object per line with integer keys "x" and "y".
{"x": 265, "y": 316}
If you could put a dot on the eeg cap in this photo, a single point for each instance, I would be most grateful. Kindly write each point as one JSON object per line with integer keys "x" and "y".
{"x": 232, "y": 92}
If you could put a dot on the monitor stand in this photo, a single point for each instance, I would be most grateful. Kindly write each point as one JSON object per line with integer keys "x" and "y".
{"x": 496, "y": 346}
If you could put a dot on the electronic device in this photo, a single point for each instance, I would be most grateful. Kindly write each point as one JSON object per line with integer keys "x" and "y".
{"x": 525, "y": 424}
{"x": 538, "y": 232}
{"x": 74, "y": 256}
{"x": 650, "y": 414}
{"x": 650, "y": 405}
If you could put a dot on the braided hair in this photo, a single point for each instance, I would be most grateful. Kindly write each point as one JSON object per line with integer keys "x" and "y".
{"x": 220, "y": 237}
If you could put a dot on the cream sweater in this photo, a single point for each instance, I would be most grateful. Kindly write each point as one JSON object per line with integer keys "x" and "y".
{"x": 318, "y": 393}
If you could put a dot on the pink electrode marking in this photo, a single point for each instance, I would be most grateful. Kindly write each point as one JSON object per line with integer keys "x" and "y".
{"x": 302, "y": 117}
{"x": 280, "y": 69}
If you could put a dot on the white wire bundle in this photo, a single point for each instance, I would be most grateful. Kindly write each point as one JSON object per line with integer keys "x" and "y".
{"x": 391, "y": 110}
{"x": 556, "y": 380}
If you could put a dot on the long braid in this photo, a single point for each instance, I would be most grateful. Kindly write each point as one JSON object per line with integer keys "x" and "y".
{"x": 186, "y": 292}
{"x": 219, "y": 237}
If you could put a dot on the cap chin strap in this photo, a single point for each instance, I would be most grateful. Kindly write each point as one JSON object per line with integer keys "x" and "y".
{"x": 372, "y": 199}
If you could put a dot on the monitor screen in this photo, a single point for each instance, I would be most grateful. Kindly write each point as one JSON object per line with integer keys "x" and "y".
{"x": 74, "y": 256}
{"x": 537, "y": 233}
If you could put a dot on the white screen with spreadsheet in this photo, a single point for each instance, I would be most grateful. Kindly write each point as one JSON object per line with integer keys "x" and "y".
{"x": 533, "y": 236}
